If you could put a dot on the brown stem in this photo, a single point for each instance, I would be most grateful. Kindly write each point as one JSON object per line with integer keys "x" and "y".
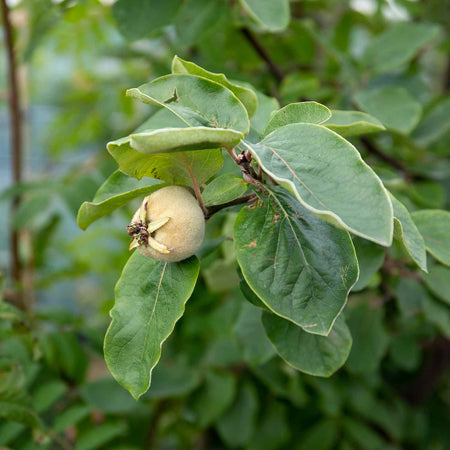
{"x": 272, "y": 66}
{"x": 371, "y": 148}
{"x": 233, "y": 155}
{"x": 61, "y": 440}
{"x": 152, "y": 431}
{"x": 16, "y": 141}
{"x": 398, "y": 268}
{"x": 247, "y": 176}
{"x": 259, "y": 173}
{"x": 447, "y": 76}
{"x": 202, "y": 442}
{"x": 198, "y": 194}
{"x": 237, "y": 201}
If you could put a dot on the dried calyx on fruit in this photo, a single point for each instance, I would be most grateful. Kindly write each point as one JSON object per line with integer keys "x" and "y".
{"x": 168, "y": 226}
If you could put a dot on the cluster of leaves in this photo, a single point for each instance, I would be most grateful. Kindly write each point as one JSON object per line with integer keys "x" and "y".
{"x": 265, "y": 322}
{"x": 292, "y": 244}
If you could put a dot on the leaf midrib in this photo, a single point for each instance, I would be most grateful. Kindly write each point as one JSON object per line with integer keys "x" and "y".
{"x": 147, "y": 333}
{"x": 296, "y": 178}
{"x": 307, "y": 265}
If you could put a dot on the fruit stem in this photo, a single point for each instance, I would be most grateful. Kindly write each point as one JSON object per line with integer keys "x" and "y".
{"x": 237, "y": 201}
{"x": 198, "y": 194}
{"x": 233, "y": 155}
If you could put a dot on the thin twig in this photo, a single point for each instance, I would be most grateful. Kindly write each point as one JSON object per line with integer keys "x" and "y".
{"x": 371, "y": 148}
{"x": 233, "y": 155}
{"x": 446, "y": 84}
{"x": 150, "y": 439}
{"x": 16, "y": 141}
{"x": 272, "y": 66}
{"x": 259, "y": 173}
{"x": 243, "y": 160}
{"x": 198, "y": 194}
{"x": 431, "y": 372}
{"x": 237, "y": 201}
{"x": 398, "y": 268}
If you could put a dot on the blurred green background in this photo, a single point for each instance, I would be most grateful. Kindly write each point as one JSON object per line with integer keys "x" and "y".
{"x": 219, "y": 384}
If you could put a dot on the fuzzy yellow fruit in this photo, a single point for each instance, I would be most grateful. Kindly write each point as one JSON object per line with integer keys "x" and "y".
{"x": 169, "y": 225}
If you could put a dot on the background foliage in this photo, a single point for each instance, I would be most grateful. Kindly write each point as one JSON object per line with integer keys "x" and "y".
{"x": 219, "y": 383}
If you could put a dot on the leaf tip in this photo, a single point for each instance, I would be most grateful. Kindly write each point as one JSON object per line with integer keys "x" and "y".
{"x": 134, "y": 394}
{"x": 175, "y": 60}
{"x": 81, "y": 219}
{"x": 133, "y": 92}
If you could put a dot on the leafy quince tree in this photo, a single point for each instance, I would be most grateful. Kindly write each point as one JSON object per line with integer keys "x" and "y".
{"x": 304, "y": 198}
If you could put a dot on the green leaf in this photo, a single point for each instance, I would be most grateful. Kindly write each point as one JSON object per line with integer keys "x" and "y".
{"x": 282, "y": 381}
{"x": 295, "y": 84}
{"x": 394, "y": 106}
{"x": 370, "y": 258}
{"x": 173, "y": 168}
{"x": 223, "y": 352}
{"x": 139, "y": 18}
{"x": 10, "y": 431}
{"x": 220, "y": 276}
{"x": 330, "y": 395}
{"x": 316, "y": 355}
{"x": 301, "y": 267}
{"x": 249, "y": 331}
{"x": 224, "y": 189}
{"x": 195, "y": 100}
{"x": 17, "y": 412}
{"x": 327, "y": 175}
{"x": 64, "y": 352}
{"x": 270, "y": 15}
{"x": 438, "y": 281}
{"x": 162, "y": 118}
{"x": 11, "y": 313}
{"x": 70, "y": 417}
{"x": 35, "y": 211}
{"x": 352, "y": 123}
{"x": 272, "y": 432}
{"x": 245, "y": 95}
{"x": 411, "y": 297}
{"x": 406, "y": 352}
{"x": 322, "y": 436}
{"x": 44, "y": 17}
{"x": 438, "y": 315}
{"x": 406, "y": 232}
{"x": 427, "y": 194}
{"x": 213, "y": 398}
{"x": 107, "y": 396}
{"x": 370, "y": 338}
{"x": 167, "y": 140}
{"x": 397, "y": 45}
{"x": 96, "y": 437}
{"x": 150, "y": 298}
{"x": 236, "y": 426}
{"x": 2, "y": 288}
{"x": 12, "y": 378}
{"x": 249, "y": 295}
{"x": 434, "y": 123}
{"x": 304, "y": 112}
{"x": 202, "y": 16}
{"x": 363, "y": 436}
{"x": 46, "y": 394}
{"x": 266, "y": 106}
{"x": 173, "y": 380}
{"x": 118, "y": 190}
{"x": 434, "y": 226}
